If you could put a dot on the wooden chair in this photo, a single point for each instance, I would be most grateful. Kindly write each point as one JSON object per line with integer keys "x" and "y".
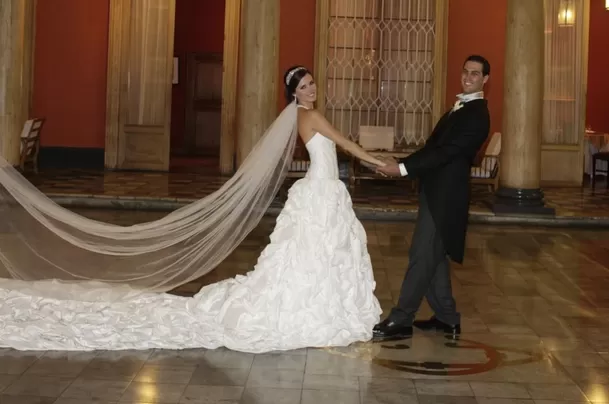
{"x": 600, "y": 156}
{"x": 487, "y": 173}
{"x": 380, "y": 142}
{"x": 30, "y": 143}
{"x": 298, "y": 168}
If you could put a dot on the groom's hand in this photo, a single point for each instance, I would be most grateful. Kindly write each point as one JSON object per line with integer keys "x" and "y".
{"x": 391, "y": 169}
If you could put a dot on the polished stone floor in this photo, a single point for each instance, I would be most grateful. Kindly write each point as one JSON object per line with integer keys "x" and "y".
{"x": 184, "y": 187}
{"x": 535, "y": 312}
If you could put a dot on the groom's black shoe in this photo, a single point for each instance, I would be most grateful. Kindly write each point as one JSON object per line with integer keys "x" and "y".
{"x": 433, "y": 324}
{"x": 389, "y": 330}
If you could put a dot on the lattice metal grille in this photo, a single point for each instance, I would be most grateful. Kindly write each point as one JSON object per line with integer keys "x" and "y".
{"x": 380, "y": 66}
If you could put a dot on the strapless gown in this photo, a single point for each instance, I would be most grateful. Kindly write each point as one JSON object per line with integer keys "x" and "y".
{"x": 312, "y": 286}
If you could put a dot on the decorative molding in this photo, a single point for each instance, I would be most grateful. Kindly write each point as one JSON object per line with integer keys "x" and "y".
{"x": 560, "y": 147}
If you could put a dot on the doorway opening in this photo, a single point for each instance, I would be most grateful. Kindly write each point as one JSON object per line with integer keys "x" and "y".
{"x": 196, "y": 110}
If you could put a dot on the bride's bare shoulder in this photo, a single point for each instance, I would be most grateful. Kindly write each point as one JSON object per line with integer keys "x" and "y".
{"x": 310, "y": 116}
{"x": 306, "y": 123}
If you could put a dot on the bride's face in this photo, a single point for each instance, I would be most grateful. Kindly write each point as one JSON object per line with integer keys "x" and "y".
{"x": 306, "y": 92}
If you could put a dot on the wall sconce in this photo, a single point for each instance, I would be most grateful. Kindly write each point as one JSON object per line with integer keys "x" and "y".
{"x": 607, "y": 4}
{"x": 566, "y": 13}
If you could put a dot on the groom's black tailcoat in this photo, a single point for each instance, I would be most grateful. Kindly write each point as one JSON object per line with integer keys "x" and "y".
{"x": 443, "y": 168}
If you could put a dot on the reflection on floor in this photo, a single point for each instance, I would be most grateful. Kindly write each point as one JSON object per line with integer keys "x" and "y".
{"x": 188, "y": 186}
{"x": 535, "y": 312}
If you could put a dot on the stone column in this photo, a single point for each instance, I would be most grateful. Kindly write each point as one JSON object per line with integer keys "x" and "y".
{"x": 17, "y": 20}
{"x": 230, "y": 77}
{"x": 519, "y": 190}
{"x": 258, "y": 64}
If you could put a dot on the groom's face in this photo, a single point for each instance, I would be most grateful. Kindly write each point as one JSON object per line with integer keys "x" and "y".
{"x": 472, "y": 79}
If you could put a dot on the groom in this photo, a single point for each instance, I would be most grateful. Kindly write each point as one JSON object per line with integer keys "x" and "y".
{"x": 442, "y": 167}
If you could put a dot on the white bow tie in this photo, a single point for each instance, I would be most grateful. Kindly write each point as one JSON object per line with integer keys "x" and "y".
{"x": 458, "y": 105}
{"x": 463, "y": 98}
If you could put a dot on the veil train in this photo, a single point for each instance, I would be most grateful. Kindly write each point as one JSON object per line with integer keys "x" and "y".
{"x": 40, "y": 240}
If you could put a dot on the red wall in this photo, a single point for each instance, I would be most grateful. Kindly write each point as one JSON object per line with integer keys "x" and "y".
{"x": 597, "y": 103}
{"x": 71, "y": 50}
{"x": 477, "y": 27}
{"x": 297, "y": 40}
{"x": 70, "y": 71}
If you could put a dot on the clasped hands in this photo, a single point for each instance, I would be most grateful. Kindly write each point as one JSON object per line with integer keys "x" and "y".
{"x": 390, "y": 169}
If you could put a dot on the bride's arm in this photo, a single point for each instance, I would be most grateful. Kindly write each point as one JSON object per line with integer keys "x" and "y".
{"x": 320, "y": 124}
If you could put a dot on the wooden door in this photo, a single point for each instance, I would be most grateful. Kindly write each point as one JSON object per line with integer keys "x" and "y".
{"x": 203, "y": 104}
{"x": 140, "y": 70}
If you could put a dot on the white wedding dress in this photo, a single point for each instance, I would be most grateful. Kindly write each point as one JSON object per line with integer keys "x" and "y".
{"x": 313, "y": 286}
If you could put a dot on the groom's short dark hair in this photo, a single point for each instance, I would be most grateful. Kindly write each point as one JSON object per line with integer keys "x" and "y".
{"x": 486, "y": 66}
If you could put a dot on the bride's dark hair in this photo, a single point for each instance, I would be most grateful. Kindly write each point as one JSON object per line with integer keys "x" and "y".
{"x": 291, "y": 78}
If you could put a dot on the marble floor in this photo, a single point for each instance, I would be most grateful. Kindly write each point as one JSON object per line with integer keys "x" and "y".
{"x": 535, "y": 323}
{"x": 371, "y": 195}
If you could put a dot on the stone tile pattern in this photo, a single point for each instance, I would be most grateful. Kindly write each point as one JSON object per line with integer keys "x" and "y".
{"x": 537, "y": 297}
{"x": 189, "y": 186}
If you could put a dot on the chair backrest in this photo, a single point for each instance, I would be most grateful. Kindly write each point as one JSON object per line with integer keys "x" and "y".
{"x": 492, "y": 152}
{"x": 376, "y": 137}
{"x": 30, "y": 136}
{"x": 493, "y": 147}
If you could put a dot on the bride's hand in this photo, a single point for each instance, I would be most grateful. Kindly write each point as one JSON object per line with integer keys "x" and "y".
{"x": 386, "y": 160}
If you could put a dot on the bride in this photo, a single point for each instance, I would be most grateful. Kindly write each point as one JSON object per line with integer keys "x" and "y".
{"x": 312, "y": 286}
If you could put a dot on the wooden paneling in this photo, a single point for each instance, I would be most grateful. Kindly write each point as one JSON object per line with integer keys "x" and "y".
{"x": 140, "y": 71}
{"x": 203, "y": 104}
{"x": 561, "y": 164}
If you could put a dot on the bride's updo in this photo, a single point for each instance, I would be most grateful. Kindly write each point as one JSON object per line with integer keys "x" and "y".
{"x": 291, "y": 78}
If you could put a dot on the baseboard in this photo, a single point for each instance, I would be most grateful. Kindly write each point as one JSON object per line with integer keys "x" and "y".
{"x": 71, "y": 157}
{"x": 559, "y": 184}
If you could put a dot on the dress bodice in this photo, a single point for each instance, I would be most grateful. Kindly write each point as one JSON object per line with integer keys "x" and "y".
{"x": 322, "y": 152}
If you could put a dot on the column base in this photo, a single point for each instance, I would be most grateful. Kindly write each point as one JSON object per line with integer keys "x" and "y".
{"x": 518, "y": 201}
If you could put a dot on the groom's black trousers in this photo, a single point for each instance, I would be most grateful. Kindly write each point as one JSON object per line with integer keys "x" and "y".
{"x": 428, "y": 274}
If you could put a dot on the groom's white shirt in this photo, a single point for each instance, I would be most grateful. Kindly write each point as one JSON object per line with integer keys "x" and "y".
{"x": 461, "y": 99}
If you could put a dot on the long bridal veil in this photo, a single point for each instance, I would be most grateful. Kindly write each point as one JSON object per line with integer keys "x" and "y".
{"x": 41, "y": 240}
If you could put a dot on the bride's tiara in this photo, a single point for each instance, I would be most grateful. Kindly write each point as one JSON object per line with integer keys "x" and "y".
{"x": 291, "y": 74}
